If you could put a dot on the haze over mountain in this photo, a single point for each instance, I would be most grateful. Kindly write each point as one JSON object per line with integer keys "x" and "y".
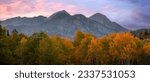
{"x": 64, "y": 24}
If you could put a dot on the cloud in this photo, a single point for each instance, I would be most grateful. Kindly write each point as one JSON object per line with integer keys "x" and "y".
{"x": 14, "y": 8}
{"x": 140, "y": 14}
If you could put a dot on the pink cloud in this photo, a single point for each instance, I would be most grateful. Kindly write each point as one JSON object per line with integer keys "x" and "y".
{"x": 40, "y": 7}
{"x": 15, "y": 8}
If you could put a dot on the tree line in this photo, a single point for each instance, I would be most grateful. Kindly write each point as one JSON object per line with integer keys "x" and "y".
{"x": 42, "y": 49}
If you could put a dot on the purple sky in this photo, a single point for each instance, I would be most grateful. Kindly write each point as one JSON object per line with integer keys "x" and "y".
{"x": 131, "y": 14}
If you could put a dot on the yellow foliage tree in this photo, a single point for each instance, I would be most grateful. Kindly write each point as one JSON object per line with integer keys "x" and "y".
{"x": 146, "y": 48}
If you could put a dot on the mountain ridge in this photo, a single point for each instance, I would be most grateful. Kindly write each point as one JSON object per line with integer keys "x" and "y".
{"x": 64, "y": 24}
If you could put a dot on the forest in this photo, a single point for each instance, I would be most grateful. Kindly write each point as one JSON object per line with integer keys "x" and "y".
{"x": 86, "y": 49}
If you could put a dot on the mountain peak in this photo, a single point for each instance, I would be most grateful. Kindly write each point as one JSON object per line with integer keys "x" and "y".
{"x": 60, "y": 14}
{"x": 63, "y": 11}
{"x": 100, "y": 18}
{"x": 99, "y": 14}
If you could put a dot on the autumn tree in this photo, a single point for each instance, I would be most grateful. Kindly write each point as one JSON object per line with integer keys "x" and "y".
{"x": 31, "y": 54}
{"x": 58, "y": 51}
{"x": 81, "y": 50}
{"x": 44, "y": 51}
{"x": 146, "y": 54}
{"x": 93, "y": 56}
{"x": 124, "y": 48}
{"x": 20, "y": 50}
{"x": 7, "y": 46}
{"x": 78, "y": 38}
{"x": 104, "y": 56}
{"x": 3, "y": 44}
{"x": 68, "y": 50}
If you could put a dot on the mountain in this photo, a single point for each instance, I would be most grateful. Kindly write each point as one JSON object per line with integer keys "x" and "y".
{"x": 100, "y": 18}
{"x": 106, "y": 22}
{"x": 64, "y": 24}
{"x": 17, "y": 21}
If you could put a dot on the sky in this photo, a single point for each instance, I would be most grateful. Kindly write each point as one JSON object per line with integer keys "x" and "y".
{"x": 132, "y": 14}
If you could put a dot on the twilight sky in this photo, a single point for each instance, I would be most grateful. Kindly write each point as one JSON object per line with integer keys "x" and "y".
{"x": 131, "y": 14}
